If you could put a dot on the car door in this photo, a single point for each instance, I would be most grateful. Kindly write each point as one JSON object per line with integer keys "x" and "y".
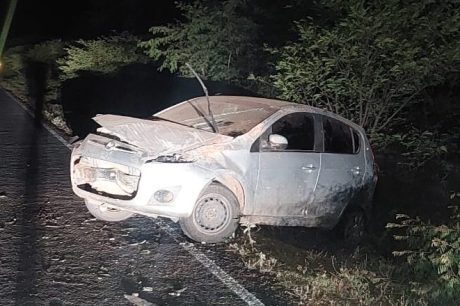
{"x": 287, "y": 177}
{"x": 342, "y": 170}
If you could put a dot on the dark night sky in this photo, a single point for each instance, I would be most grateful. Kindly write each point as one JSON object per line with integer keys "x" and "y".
{"x": 36, "y": 20}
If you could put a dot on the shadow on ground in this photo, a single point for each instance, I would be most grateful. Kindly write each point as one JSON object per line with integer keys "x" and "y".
{"x": 29, "y": 253}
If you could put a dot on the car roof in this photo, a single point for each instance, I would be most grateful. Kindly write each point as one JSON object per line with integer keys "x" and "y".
{"x": 250, "y": 102}
{"x": 270, "y": 105}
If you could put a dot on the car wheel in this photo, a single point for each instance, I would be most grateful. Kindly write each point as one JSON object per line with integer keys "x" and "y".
{"x": 106, "y": 213}
{"x": 214, "y": 217}
{"x": 352, "y": 227}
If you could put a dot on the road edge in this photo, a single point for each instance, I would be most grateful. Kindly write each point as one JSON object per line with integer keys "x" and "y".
{"x": 208, "y": 263}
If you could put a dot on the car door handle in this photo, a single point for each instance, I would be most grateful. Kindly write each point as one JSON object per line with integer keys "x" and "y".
{"x": 309, "y": 168}
{"x": 355, "y": 170}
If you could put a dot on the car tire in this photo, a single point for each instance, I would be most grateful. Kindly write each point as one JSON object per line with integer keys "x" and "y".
{"x": 215, "y": 216}
{"x": 107, "y": 214}
{"x": 352, "y": 227}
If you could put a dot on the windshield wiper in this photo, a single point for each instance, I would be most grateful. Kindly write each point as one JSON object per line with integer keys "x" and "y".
{"x": 210, "y": 121}
{"x": 154, "y": 118}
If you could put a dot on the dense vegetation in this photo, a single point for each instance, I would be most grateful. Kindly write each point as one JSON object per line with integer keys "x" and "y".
{"x": 61, "y": 61}
{"x": 369, "y": 61}
{"x": 381, "y": 64}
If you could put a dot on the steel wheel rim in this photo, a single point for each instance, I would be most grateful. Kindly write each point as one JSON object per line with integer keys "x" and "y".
{"x": 212, "y": 213}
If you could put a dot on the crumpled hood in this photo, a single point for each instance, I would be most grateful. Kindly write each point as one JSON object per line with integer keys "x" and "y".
{"x": 157, "y": 137}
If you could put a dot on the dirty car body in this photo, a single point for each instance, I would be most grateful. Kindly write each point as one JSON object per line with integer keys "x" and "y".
{"x": 271, "y": 162}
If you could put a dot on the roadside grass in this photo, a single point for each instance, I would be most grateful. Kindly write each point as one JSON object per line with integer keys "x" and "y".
{"x": 13, "y": 74}
{"x": 25, "y": 66}
{"x": 329, "y": 277}
{"x": 411, "y": 255}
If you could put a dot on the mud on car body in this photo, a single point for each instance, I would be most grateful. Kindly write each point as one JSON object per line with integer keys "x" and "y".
{"x": 250, "y": 160}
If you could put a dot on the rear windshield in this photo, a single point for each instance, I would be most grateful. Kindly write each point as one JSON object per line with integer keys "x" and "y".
{"x": 233, "y": 118}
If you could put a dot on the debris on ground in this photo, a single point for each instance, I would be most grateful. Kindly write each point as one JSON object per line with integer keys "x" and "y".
{"x": 12, "y": 221}
{"x": 138, "y": 243}
{"x": 177, "y": 292}
{"x": 136, "y": 300}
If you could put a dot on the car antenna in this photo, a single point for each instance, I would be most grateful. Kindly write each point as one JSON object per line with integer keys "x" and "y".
{"x": 212, "y": 121}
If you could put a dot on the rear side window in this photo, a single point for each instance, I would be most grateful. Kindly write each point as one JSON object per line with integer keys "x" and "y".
{"x": 299, "y": 130}
{"x": 337, "y": 137}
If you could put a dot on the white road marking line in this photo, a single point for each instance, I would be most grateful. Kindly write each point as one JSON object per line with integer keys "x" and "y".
{"x": 226, "y": 279}
{"x": 217, "y": 271}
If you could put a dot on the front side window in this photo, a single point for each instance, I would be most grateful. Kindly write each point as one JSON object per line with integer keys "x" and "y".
{"x": 337, "y": 137}
{"x": 356, "y": 142}
{"x": 297, "y": 128}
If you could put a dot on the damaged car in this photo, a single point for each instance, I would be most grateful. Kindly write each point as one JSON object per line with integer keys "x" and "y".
{"x": 211, "y": 163}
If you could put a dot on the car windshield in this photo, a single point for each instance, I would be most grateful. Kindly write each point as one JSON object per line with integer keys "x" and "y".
{"x": 234, "y": 116}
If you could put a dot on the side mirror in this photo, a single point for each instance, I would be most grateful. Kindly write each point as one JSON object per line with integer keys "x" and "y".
{"x": 277, "y": 142}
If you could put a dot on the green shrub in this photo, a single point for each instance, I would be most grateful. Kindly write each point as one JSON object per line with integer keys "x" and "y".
{"x": 13, "y": 71}
{"x": 47, "y": 52}
{"x": 63, "y": 61}
{"x": 13, "y": 61}
{"x": 216, "y": 38}
{"x": 372, "y": 60}
{"x": 419, "y": 147}
{"x": 433, "y": 252}
{"x": 103, "y": 55}
{"x": 17, "y": 59}
{"x": 14, "y": 77}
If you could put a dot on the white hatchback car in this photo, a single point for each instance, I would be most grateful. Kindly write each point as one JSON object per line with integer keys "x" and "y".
{"x": 211, "y": 164}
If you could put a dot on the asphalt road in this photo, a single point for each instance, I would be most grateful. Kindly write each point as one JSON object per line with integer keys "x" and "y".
{"x": 52, "y": 252}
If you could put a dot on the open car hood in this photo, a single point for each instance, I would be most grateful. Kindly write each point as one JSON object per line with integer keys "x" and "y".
{"x": 156, "y": 137}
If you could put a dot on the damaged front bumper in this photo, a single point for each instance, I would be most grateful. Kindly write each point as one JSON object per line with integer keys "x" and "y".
{"x": 125, "y": 177}
{"x": 103, "y": 177}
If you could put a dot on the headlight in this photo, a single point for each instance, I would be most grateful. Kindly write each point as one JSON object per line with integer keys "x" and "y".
{"x": 173, "y": 158}
{"x": 127, "y": 182}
